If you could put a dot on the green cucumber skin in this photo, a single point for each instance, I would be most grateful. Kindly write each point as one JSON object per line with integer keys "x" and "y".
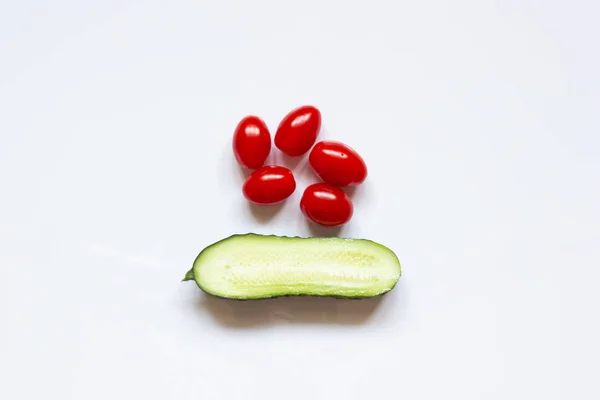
{"x": 193, "y": 275}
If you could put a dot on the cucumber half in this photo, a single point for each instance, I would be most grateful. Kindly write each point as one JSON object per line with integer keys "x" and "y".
{"x": 253, "y": 266}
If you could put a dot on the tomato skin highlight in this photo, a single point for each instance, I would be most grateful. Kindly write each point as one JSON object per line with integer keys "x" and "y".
{"x": 326, "y": 205}
{"x": 338, "y": 164}
{"x": 251, "y": 142}
{"x": 270, "y": 184}
{"x": 298, "y": 130}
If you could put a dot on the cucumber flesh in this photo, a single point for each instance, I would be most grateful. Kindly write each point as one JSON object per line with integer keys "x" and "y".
{"x": 253, "y": 266}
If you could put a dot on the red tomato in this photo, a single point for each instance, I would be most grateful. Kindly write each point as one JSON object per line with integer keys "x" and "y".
{"x": 326, "y": 205}
{"x": 338, "y": 164}
{"x": 269, "y": 185}
{"x": 251, "y": 142}
{"x": 298, "y": 131}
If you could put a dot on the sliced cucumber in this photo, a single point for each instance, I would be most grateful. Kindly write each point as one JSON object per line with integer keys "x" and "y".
{"x": 255, "y": 266}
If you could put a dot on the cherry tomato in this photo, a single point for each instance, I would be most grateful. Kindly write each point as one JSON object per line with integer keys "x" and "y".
{"x": 298, "y": 131}
{"x": 251, "y": 142}
{"x": 269, "y": 185}
{"x": 338, "y": 164}
{"x": 326, "y": 205}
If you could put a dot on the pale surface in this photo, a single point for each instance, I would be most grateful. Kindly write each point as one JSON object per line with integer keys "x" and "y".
{"x": 116, "y": 169}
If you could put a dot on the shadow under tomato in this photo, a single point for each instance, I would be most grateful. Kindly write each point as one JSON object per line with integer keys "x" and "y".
{"x": 244, "y": 173}
{"x": 308, "y": 173}
{"x": 290, "y": 163}
{"x": 361, "y": 195}
{"x": 289, "y": 310}
{"x": 265, "y": 213}
{"x": 350, "y": 191}
{"x": 323, "y": 231}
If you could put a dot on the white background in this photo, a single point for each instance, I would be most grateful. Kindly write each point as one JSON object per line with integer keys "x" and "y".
{"x": 479, "y": 123}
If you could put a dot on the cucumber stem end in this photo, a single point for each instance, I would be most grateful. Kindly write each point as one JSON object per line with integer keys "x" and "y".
{"x": 189, "y": 276}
